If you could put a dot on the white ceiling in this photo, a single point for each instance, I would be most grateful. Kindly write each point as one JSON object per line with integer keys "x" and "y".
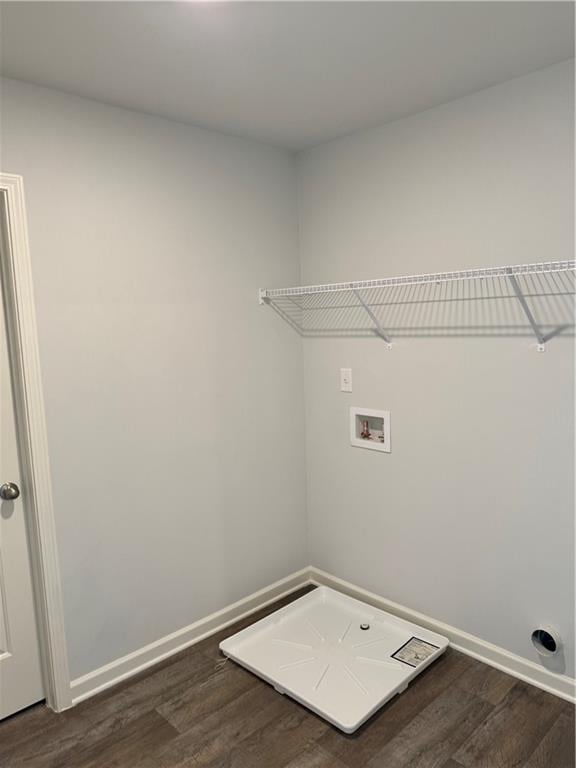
{"x": 293, "y": 74}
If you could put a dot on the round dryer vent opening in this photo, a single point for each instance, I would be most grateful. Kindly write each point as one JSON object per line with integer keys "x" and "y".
{"x": 546, "y": 641}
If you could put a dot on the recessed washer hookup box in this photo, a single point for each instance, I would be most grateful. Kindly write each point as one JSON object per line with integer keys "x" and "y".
{"x": 341, "y": 658}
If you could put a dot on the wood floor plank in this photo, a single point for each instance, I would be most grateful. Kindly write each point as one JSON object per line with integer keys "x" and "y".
{"x": 17, "y": 728}
{"x": 206, "y": 695}
{"x": 557, "y": 749}
{"x": 359, "y": 748}
{"x": 124, "y": 747}
{"x": 487, "y": 683}
{"x": 147, "y": 691}
{"x": 18, "y": 731}
{"x": 436, "y": 733}
{"x": 100, "y": 717}
{"x": 512, "y": 731}
{"x": 314, "y": 757}
{"x": 44, "y": 745}
{"x": 279, "y": 742}
{"x": 214, "y": 737}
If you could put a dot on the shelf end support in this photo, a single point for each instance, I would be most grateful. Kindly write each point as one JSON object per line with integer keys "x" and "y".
{"x": 540, "y": 338}
{"x": 378, "y": 328}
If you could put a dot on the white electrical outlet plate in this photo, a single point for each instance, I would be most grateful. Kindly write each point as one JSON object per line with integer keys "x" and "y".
{"x": 378, "y": 436}
{"x": 346, "y": 379}
{"x": 338, "y": 656}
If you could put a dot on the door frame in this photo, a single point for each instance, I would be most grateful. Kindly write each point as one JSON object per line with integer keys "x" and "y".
{"x": 16, "y": 270}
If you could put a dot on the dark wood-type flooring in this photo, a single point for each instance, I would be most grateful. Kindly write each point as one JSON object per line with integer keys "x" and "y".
{"x": 193, "y": 711}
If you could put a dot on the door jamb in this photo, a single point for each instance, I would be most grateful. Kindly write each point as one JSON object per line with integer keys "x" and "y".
{"x": 16, "y": 270}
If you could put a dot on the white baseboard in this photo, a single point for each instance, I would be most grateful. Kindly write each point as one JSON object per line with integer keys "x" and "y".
{"x": 127, "y": 666}
{"x": 133, "y": 663}
{"x": 517, "y": 666}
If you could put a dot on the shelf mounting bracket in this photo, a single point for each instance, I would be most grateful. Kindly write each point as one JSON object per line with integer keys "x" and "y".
{"x": 540, "y": 338}
{"x": 378, "y": 329}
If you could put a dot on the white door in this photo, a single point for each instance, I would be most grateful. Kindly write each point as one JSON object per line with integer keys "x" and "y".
{"x": 20, "y": 671}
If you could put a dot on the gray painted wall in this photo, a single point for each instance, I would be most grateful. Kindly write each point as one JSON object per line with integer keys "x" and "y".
{"x": 470, "y": 518}
{"x": 174, "y": 404}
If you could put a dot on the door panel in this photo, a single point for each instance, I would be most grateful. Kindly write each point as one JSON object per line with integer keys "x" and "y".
{"x": 20, "y": 670}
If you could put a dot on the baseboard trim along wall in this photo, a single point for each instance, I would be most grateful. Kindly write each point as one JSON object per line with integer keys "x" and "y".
{"x": 133, "y": 663}
{"x": 137, "y": 661}
{"x": 517, "y": 666}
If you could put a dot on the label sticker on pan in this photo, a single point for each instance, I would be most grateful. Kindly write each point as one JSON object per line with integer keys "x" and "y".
{"x": 414, "y": 652}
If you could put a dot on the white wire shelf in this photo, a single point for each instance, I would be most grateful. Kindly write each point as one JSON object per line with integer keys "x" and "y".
{"x": 518, "y": 300}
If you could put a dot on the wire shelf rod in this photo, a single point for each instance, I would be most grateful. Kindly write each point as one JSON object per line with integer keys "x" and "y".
{"x": 420, "y": 279}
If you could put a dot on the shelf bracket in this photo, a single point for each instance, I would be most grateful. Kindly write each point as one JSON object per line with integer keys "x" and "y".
{"x": 540, "y": 338}
{"x": 263, "y": 296}
{"x": 378, "y": 329}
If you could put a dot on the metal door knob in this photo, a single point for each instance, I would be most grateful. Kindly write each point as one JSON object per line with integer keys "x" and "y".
{"x": 9, "y": 491}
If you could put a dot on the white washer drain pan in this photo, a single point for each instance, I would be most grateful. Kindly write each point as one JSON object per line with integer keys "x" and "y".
{"x": 317, "y": 652}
